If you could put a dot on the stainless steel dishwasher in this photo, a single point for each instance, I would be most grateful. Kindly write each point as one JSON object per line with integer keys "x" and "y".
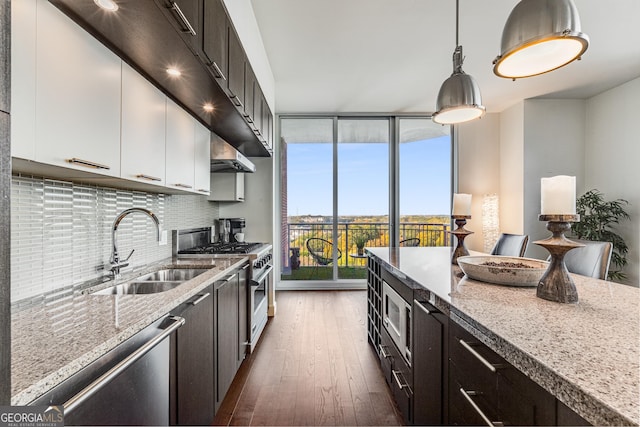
{"x": 127, "y": 386}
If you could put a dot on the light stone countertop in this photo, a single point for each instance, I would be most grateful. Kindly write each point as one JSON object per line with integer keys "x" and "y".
{"x": 56, "y": 338}
{"x": 586, "y": 354}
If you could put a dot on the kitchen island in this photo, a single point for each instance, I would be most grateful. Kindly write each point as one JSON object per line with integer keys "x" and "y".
{"x": 54, "y": 337}
{"x": 587, "y": 355}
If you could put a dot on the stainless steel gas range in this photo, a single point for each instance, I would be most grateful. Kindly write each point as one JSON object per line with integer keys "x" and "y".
{"x": 200, "y": 243}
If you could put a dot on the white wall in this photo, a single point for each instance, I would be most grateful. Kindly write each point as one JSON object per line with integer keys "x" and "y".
{"x": 512, "y": 169}
{"x": 244, "y": 21}
{"x": 553, "y": 145}
{"x": 478, "y": 169}
{"x": 612, "y": 156}
{"x": 257, "y": 209}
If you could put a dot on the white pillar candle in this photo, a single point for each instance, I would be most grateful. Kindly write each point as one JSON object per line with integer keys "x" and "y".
{"x": 462, "y": 204}
{"x": 558, "y": 195}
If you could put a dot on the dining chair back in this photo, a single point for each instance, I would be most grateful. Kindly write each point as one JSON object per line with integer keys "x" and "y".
{"x": 414, "y": 241}
{"x": 590, "y": 260}
{"x": 511, "y": 245}
{"x": 321, "y": 250}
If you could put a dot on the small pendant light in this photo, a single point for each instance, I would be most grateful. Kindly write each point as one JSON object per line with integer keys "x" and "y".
{"x": 540, "y": 36}
{"x": 459, "y": 99}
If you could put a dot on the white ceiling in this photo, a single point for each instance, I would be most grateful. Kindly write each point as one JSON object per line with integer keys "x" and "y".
{"x": 393, "y": 55}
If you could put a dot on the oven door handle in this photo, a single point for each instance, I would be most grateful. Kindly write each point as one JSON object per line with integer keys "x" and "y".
{"x": 259, "y": 280}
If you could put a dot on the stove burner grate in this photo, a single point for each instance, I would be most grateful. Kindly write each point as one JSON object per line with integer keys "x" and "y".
{"x": 222, "y": 248}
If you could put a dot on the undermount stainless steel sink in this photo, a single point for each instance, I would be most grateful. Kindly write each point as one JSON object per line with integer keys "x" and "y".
{"x": 171, "y": 274}
{"x": 130, "y": 288}
{"x": 153, "y": 283}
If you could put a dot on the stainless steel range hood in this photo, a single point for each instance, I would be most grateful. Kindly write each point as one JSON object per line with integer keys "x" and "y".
{"x": 225, "y": 158}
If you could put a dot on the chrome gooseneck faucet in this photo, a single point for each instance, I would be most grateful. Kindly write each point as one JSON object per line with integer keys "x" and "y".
{"x": 115, "y": 261}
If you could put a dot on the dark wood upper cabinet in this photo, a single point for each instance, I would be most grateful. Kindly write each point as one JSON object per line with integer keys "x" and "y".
{"x": 237, "y": 60}
{"x": 215, "y": 38}
{"x": 249, "y": 88}
{"x": 266, "y": 113}
{"x": 187, "y": 20}
{"x": 257, "y": 110}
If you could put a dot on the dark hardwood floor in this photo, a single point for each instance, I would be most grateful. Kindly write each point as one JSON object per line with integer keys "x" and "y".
{"x": 313, "y": 366}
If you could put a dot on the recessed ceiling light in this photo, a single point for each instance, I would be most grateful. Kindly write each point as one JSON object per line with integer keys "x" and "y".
{"x": 109, "y": 5}
{"x": 207, "y": 107}
{"x": 173, "y": 72}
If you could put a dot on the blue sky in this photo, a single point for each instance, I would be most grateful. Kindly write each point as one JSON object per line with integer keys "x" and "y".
{"x": 363, "y": 171}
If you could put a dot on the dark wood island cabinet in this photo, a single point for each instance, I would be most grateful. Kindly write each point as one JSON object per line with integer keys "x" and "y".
{"x": 451, "y": 376}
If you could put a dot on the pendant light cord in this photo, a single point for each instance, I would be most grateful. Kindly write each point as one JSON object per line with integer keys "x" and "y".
{"x": 458, "y": 59}
{"x": 457, "y": 19}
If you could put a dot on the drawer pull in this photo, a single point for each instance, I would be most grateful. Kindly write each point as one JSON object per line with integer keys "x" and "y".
{"x": 148, "y": 177}
{"x": 425, "y": 309}
{"x": 467, "y": 395}
{"x": 185, "y": 21}
{"x": 88, "y": 163}
{"x": 401, "y": 384}
{"x": 383, "y": 352}
{"x": 200, "y": 299}
{"x": 477, "y": 355}
{"x": 183, "y": 185}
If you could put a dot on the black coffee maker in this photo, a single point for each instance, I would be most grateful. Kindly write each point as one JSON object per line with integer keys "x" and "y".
{"x": 235, "y": 226}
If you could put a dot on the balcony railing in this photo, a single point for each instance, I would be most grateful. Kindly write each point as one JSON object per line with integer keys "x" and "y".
{"x": 349, "y": 234}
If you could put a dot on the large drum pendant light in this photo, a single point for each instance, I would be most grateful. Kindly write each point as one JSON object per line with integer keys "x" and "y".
{"x": 459, "y": 99}
{"x": 540, "y": 36}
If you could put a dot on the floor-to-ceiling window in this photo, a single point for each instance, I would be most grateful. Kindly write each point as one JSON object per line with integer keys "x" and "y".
{"x": 363, "y": 191}
{"x": 349, "y": 182}
{"x": 424, "y": 171}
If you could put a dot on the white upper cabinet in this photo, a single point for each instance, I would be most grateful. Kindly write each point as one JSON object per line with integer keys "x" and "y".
{"x": 78, "y": 84}
{"x": 202, "y": 163}
{"x": 180, "y": 148}
{"x": 23, "y": 79}
{"x": 143, "y": 129}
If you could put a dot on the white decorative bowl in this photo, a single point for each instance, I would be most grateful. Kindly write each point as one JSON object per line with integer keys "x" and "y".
{"x": 503, "y": 270}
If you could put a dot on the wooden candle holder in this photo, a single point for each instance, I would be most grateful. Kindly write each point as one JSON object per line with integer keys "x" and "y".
{"x": 460, "y": 234}
{"x": 556, "y": 284}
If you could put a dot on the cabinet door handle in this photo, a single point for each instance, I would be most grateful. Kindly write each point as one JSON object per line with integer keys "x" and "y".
{"x": 203, "y": 190}
{"x": 183, "y": 185}
{"x": 88, "y": 163}
{"x": 148, "y": 177}
{"x": 467, "y": 395}
{"x": 183, "y": 18}
{"x": 401, "y": 384}
{"x": 237, "y": 101}
{"x": 218, "y": 71}
{"x": 108, "y": 376}
{"x": 245, "y": 267}
{"x": 383, "y": 351}
{"x": 199, "y": 300}
{"x": 477, "y": 355}
{"x": 230, "y": 278}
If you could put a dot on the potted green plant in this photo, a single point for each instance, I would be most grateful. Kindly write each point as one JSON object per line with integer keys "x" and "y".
{"x": 361, "y": 237}
{"x": 597, "y": 218}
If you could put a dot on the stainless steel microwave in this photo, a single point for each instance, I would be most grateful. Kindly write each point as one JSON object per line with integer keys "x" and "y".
{"x": 397, "y": 320}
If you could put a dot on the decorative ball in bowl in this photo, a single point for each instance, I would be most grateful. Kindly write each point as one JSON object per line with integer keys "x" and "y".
{"x": 503, "y": 270}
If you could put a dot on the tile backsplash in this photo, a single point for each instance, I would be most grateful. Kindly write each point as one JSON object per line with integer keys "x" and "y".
{"x": 61, "y": 231}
